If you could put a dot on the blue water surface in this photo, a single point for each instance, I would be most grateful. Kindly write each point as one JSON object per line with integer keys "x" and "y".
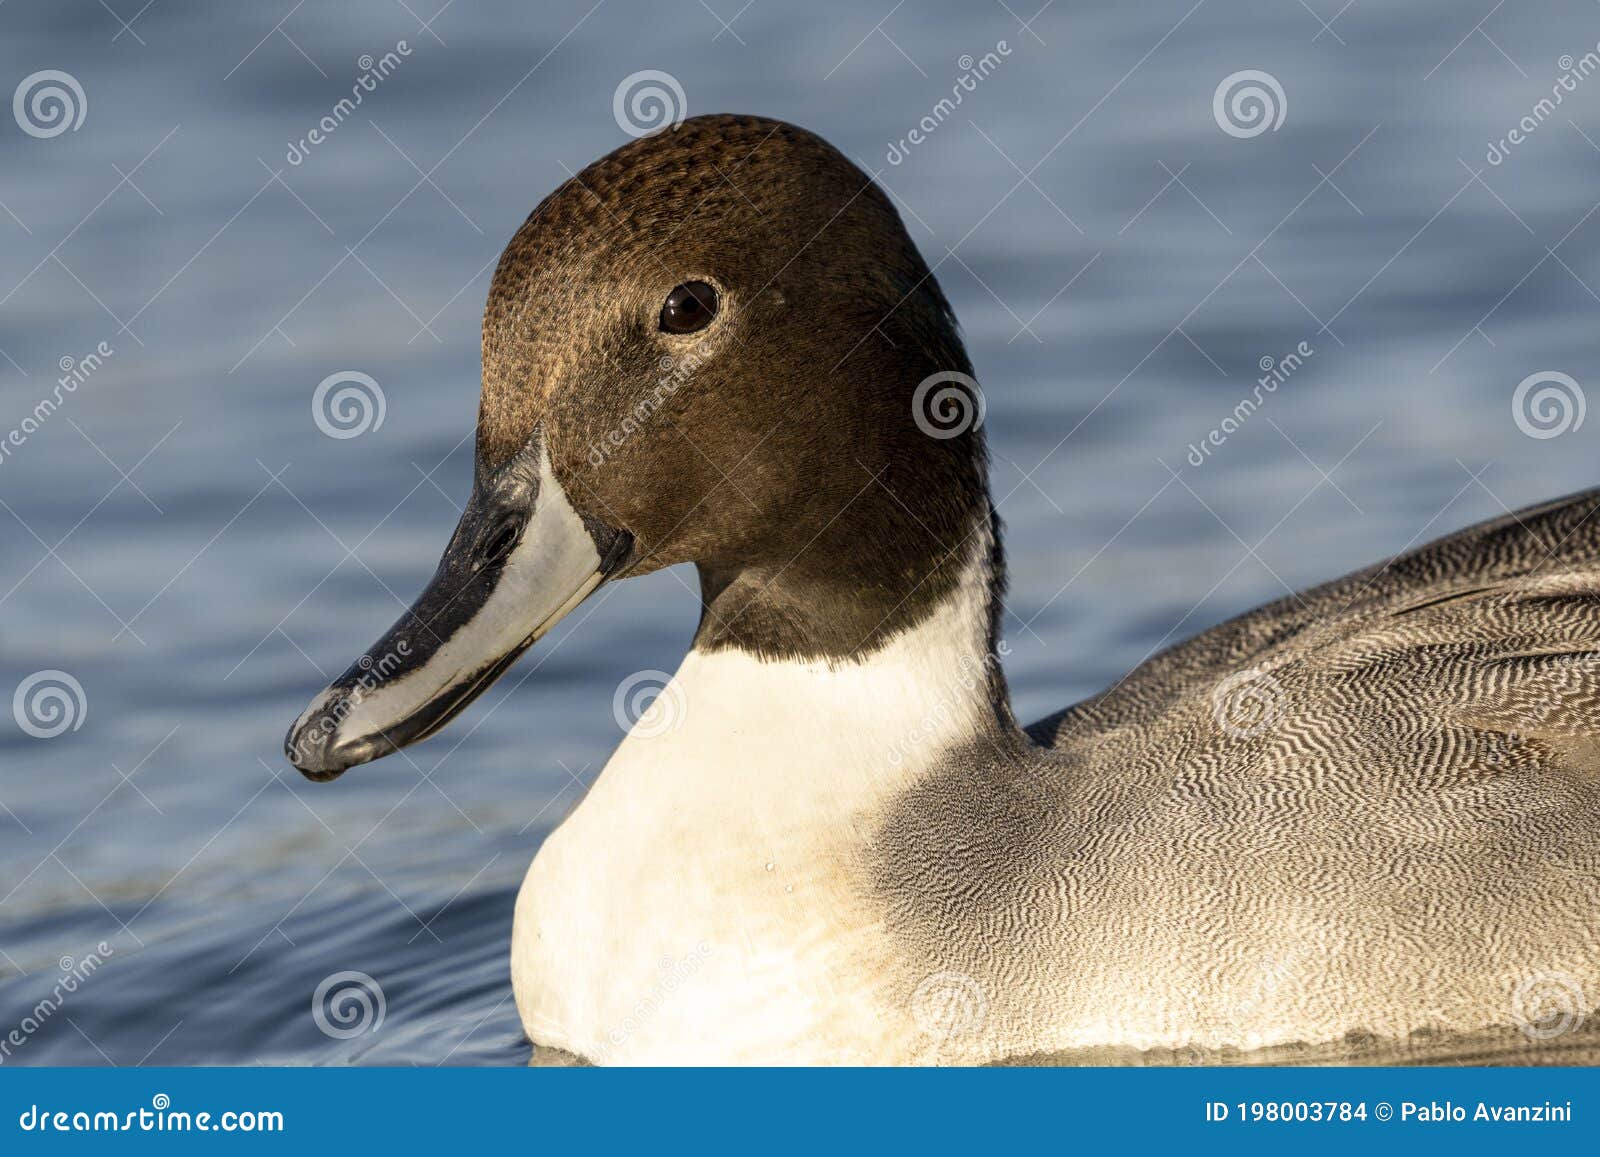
{"x": 184, "y": 542}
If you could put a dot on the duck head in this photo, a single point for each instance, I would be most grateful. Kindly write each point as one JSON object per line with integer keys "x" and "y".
{"x": 716, "y": 345}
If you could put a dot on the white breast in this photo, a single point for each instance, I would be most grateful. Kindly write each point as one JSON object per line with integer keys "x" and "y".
{"x": 704, "y": 903}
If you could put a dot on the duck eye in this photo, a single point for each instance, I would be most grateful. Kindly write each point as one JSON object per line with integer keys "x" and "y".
{"x": 498, "y": 545}
{"x": 689, "y": 307}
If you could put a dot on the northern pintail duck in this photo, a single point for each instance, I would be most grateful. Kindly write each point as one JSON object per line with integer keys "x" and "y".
{"x": 1369, "y": 812}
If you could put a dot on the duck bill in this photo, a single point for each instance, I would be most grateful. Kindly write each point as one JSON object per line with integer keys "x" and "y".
{"x": 520, "y": 560}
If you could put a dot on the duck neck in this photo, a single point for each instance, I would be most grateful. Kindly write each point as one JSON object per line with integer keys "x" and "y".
{"x": 911, "y": 644}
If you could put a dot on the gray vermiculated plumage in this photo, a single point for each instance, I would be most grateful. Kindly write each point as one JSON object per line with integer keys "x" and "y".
{"x": 1370, "y": 811}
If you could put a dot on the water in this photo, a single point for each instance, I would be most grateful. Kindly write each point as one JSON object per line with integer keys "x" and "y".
{"x": 185, "y": 543}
